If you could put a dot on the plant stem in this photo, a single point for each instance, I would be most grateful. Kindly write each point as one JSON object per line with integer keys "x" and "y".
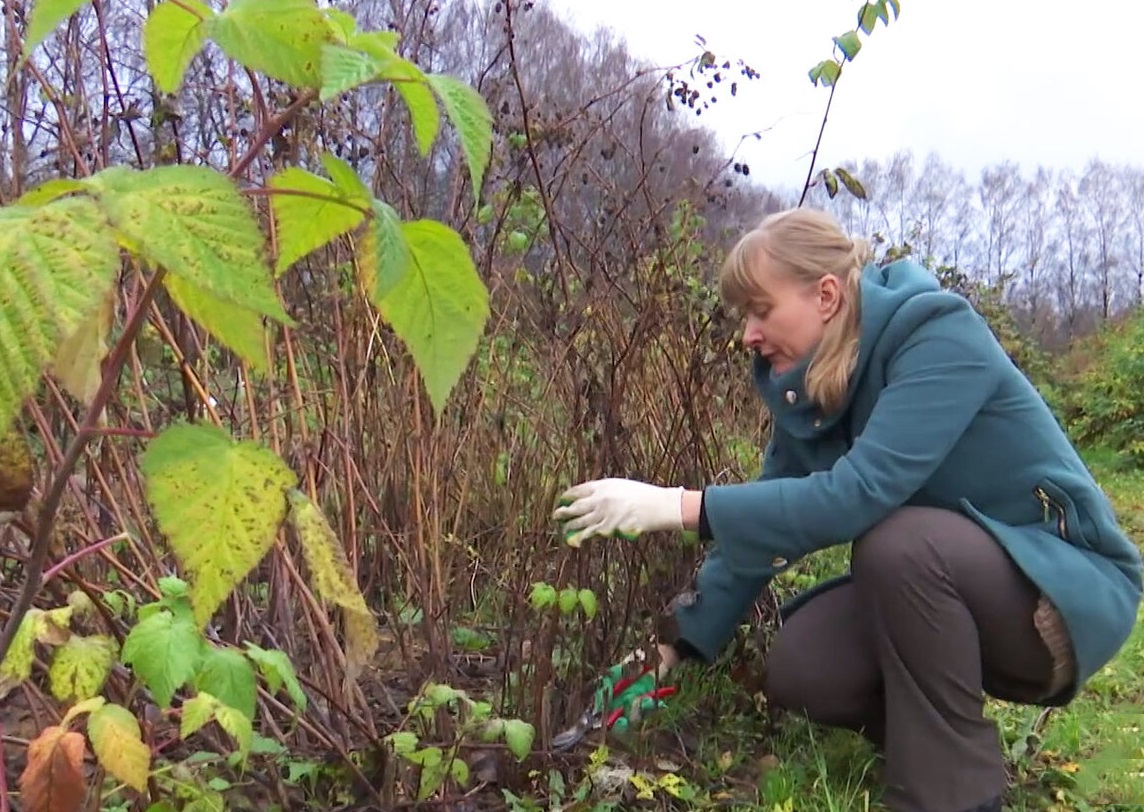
{"x": 78, "y": 554}
{"x": 818, "y": 143}
{"x": 87, "y": 430}
{"x": 274, "y": 125}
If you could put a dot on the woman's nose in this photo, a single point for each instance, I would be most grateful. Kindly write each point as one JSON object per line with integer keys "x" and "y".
{"x": 752, "y": 332}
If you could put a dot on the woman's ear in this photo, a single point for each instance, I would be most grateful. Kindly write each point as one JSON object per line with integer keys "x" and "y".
{"x": 829, "y": 296}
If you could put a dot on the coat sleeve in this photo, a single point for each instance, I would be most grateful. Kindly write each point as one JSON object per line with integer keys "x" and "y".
{"x": 723, "y": 596}
{"x": 937, "y": 381}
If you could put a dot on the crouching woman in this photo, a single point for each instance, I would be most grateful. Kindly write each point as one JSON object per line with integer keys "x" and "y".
{"x": 984, "y": 557}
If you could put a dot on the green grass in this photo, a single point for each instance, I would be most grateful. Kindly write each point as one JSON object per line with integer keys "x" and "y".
{"x": 714, "y": 748}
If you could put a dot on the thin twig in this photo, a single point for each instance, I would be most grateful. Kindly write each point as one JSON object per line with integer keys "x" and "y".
{"x": 47, "y": 516}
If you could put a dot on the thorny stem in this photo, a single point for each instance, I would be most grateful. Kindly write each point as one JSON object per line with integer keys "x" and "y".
{"x": 47, "y": 517}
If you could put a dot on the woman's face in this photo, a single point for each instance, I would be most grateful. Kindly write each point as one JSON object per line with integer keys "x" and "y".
{"x": 786, "y": 323}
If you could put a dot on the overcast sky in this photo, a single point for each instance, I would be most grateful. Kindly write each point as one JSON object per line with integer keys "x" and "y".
{"x": 1052, "y": 82}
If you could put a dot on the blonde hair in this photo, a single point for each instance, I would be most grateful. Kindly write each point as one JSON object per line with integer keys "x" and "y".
{"x": 806, "y": 244}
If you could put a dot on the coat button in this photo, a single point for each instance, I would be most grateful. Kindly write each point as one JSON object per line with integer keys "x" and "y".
{"x": 791, "y": 396}
{"x": 779, "y": 562}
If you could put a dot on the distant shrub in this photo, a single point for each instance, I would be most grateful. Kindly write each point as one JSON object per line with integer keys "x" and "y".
{"x": 1103, "y": 402}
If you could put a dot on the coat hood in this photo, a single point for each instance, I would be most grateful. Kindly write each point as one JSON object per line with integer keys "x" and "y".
{"x": 884, "y": 291}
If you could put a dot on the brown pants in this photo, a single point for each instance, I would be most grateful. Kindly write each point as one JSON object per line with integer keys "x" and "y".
{"x": 937, "y": 614}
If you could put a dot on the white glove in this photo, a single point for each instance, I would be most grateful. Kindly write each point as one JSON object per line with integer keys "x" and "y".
{"x": 618, "y": 507}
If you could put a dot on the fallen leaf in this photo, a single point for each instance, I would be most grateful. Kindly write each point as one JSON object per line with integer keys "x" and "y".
{"x": 52, "y": 780}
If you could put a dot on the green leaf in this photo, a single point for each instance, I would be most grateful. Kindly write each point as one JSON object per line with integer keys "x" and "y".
{"x": 851, "y": 183}
{"x": 164, "y": 651}
{"x": 849, "y": 43}
{"x": 334, "y": 580}
{"x": 81, "y": 666}
{"x": 172, "y": 36}
{"x": 57, "y": 263}
{"x": 343, "y": 25}
{"x": 542, "y": 596}
{"x": 197, "y": 711}
{"x": 568, "y": 600}
{"x": 410, "y": 82}
{"x": 193, "y": 221}
{"x": 460, "y": 770}
{"x": 385, "y": 255}
{"x": 518, "y": 735}
{"x": 238, "y": 725}
{"x": 439, "y": 307}
{"x": 826, "y": 71}
{"x": 588, "y": 601}
{"x": 403, "y": 741}
{"x": 280, "y": 38}
{"x": 118, "y": 744}
{"x": 45, "y": 16}
{"x": 347, "y": 180}
{"x": 48, "y": 191}
{"x": 309, "y": 212}
{"x": 831, "y": 181}
{"x": 868, "y": 17}
{"x": 896, "y": 6}
{"x": 470, "y": 115}
{"x": 277, "y": 670}
{"x": 240, "y": 329}
{"x": 219, "y": 501}
{"x": 227, "y": 675}
{"x": 344, "y": 69}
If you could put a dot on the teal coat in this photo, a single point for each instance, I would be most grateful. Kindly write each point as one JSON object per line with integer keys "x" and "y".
{"x": 937, "y": 415}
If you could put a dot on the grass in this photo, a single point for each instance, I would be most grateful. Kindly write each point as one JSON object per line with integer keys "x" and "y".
{"x": 1086, "y": 756}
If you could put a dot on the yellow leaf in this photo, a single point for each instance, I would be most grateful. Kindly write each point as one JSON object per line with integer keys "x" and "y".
{"x": 79, "y": 357}
{"x": 52, "y": 780}
{"x": 80, "y": 667}
{"x": 334, "y": 581}
{"x": 119, "y": 746}
{"x": 80, "y": 708}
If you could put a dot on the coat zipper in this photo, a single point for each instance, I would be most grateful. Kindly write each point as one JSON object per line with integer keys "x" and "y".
{"x": 1062, "y": 524}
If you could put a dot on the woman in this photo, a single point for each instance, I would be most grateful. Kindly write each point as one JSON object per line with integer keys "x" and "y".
{"x": 984, "y": 558}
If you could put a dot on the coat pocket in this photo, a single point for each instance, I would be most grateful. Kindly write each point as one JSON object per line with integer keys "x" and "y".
{"x": 1061, "y": 511}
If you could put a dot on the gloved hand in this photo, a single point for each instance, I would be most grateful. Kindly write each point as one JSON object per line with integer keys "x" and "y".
{"x": 618, "y": 507}
{"x": 621, "y": 702}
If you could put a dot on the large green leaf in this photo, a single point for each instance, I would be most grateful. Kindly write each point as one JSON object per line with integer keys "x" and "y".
{"x": 471, "y": 117}
{"x": 193, "y": 221}
{"x": 229, "y": 676}
{"x": 45, "y": 16}
{"x": 239, "y": 328}
{"x": 57, "y": 262}
{"x": 280, "y": 38}
{"x": 219, "y": 501}
{"x": 164, "y": 651}
{"x": 438, "y": 308}
{"x": 173, "y": 34}
{"x": 311, "y": 211}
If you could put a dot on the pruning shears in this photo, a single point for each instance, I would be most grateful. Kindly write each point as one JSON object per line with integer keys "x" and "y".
{"x": 600, "y": 715}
